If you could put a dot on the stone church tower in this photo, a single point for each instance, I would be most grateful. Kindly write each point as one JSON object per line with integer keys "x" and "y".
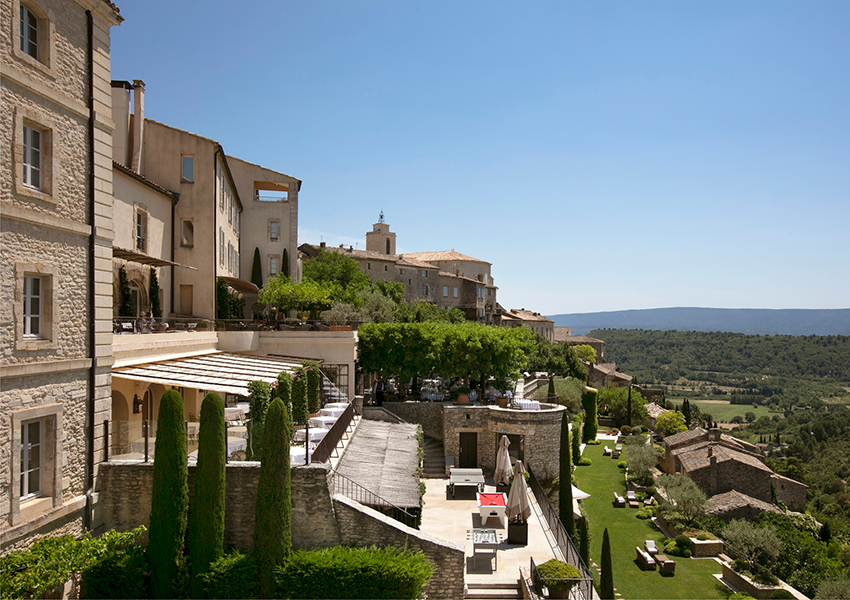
{"x": 380, "y": 239}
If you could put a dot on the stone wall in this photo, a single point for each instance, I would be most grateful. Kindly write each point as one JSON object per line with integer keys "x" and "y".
{"x": 362, "y": 526}
{"x": 427, "y": 414}
{"x": 706, "y": 547}
{"x": 789, "y": 492}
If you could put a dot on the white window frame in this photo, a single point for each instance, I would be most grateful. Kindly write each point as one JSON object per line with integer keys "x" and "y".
{"x": 28, "y": 337}
{"x": 31, "y": 332}
{"x": 28, "y": 448}
{"x": 29, "y": 38}
{"x": 274, "y": 230}
{"x": 187, "y": 159}
{"x": 49, "y": 492}
{"x": 33, "y": 156}
{"x": 23, "y": 36}
{"x": 140, "y": 230}
{"x": 445, "y": 291}
{"x": 273, "y": 270}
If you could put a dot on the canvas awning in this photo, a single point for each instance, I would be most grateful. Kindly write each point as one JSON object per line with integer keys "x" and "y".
{"x": 142, "y": 258}
{"x": 241, "y": 286}
{"x": 220, "y": 372}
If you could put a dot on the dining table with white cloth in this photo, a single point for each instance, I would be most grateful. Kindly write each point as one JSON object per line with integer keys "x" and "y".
{"x": 297, "y": 455}
{"x": 331, "y": 412}
{"x": 233, "y": 414}
{"x": 316, "y": 434}
{"x": 527, "y": 404}
{"x": 323, "y": 422}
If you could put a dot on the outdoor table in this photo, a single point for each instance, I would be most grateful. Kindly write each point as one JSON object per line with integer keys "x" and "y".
{"x": 492, "y": 505}
{"x": 323, "y": 422}
{"x": 336, "y": 405}
{"x": 235, "y": 444}
{"x": 297, "y": 455}
{"x": 485, "y": 543}
{"x": 239, "y": 431}
{"x": 316, "y": 434}
{"x": 459, "y": 476}
{"x": 527, "y": 404}
{"x": 232, "y": 414}
{"x": 331, "y": 412}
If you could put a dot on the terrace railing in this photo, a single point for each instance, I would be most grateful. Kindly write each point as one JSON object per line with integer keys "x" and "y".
{"x": 327, "y": 446}
{"x": 351, "y": 489}
{"x": 562, "y": 539}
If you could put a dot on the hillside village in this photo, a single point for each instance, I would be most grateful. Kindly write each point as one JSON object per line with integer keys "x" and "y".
{"x": 134, "y": 259}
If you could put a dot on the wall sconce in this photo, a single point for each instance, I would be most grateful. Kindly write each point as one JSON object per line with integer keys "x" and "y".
{"x": 137, "y": 405}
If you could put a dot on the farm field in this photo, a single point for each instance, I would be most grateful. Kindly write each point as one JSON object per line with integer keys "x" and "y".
{"x": 722, "y": 410}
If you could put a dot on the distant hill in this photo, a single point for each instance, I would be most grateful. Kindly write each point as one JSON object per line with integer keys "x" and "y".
{"x": 737, "y": 320}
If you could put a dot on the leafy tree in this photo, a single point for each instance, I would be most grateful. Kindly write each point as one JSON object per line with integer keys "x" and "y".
{"x": 308, "y": 295}
{"x": 314, "y": 385}
{"x": 565, "y": 491}
{"x": 670, "y": 423}
{"x": 555, "y": 358}
{"x": 222, "y": 299}
{"x": 260, "y": 393}
{"x": 300, "y": 408}
{"x": 616, "y": 400}
{"x": 376, "y": 307}
{"x": 169, "y": 495}
{"x": 126, "y": 301}
{"x": 576, "y": 440}
{"x": 207, "y": 534}
{"x": 341, "y": 272}
{"x": 749, "y": 416}
{"x": 591, "y": 423}
{"x": 683, "y": 496}
{"x": 641, "y": 459}
{"x": 751, "y": 544}
{"x": 606, "y": 575}
{"x": 153, "y": 293}
{"x": 257, "y": 269}
{"x": 834, "y": 588}
{"x": 420, "y": 311}
{"x": 686, "y": 412}
{"x": 391, "y": 289}
{"x": 585, "y": 352}
{"x": 284, "y": 263}
{"x": 273, "y": 512}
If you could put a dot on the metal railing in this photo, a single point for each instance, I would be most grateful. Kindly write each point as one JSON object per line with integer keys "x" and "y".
{"x": 122, "y": 325}
{"x": 351, "y": 489}
{"x": 327, "y": 445}
{"x": 562, "y": 538}
{"x": 576, "y": 590}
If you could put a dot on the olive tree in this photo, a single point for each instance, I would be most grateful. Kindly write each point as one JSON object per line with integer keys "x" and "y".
{"x": 683, "y": 496}
{"x": 745, "y": 541}
{"x": 641, "y": 458}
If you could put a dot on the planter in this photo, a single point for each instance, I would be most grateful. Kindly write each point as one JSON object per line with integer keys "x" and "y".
{"x": 505, "y": 489}
{"x": 502, "y": 401}
{"x": 463, "y": 398}
{"x": 518, "y": 534}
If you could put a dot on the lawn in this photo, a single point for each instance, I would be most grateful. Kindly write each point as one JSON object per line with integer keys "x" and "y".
{"x": 722, "y": 410}
{"x": 693, "y": 578}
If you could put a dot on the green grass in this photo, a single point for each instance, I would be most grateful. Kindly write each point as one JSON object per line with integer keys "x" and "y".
{"x": 693, "y": 578}
{"x": 723, "y": 411}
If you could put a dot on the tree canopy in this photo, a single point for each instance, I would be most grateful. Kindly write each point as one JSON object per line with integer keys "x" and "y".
{"x": 617, "y": 402}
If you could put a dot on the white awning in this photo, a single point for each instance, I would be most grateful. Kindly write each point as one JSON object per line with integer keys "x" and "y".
{"x": 216, "y": 372}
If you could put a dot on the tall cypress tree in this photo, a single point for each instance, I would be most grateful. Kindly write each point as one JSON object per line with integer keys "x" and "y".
{"x": 260, "y": 392}
{"x": 126, "y": 300}
{"x": 300, "y": 411}
{"x": 576, "y": 440}
{"x": 591, "y": 422}
{"x": 606, "y": 578}
{"x": 257, "y": 269}
{"x": 284, "y": 392}
{"x": 686, "y": 411}
{"x": 153, "y": 293}
{"x": 169, "y": 495}
{"x": 273, "y": 512}
{"x": 285, "y": 263}
{"x": 565, "y": 490}
{"x": 583, "y": 541}
{"x": 207, "y": 535}
{"x": 314, "y": 386}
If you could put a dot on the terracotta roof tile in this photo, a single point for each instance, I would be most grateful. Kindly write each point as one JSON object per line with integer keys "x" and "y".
{"x": 444, "y": 255}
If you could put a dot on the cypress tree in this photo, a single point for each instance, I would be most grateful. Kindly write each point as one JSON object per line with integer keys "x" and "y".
{"x": 583, "y": 541}
{"x": 257, "y": 269}
{"x": 314, "y": 386}
{"x": 629, "y": 408}
{"x": 207, "y": 534}
{"x": 260, "y": 392}
{"x": 273, "y": 512}
{"x": 551, "y": 391}
{"x": 284, "y": 392}
{"x": 153, "y": 293}
{"x": 284, "y": 265}
{"x": 591, "y": 424}
{"x": 565, "y": 495}
{"x": 606, "y": 578}
{"x": 576, "y": 440}
{"x": 126, "y": 301}
{"x": 299, "y": 397}
{"x": 686, "y": 411}
{"x": 169, "y": 495}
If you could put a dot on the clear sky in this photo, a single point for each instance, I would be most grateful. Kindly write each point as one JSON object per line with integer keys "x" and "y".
{"x": 602, "y": 156}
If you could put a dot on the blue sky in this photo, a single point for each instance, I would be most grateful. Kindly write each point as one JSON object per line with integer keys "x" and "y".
{"x": 602, "y": 156}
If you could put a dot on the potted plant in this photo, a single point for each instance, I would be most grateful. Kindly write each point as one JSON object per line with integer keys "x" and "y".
{"x": 463, "y": 395}
{"x": 201, "y": 325}
{"x": 559, "y": 577}
{"x": 518, "y": 531}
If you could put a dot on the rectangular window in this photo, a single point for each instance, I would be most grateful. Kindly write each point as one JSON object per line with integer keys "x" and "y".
{"x": 32, "y": 157}
{"x": 368, "y": 266}
{"x": 229, "y": 207}
{"x": 188, "y": 169}
{"x": 455, "y": 292}
{"x": 221, "y": 191}
{"x": 141, "y": 230}
{"x": 386, "y": 268}
{"x": 29, "y": 32}
{"x": 33, "y": 307}
{"x": 272, "y": 266}
{"x": 425, "y": 290}
{"x": 424, "y": 273}
{"x": 187, "y": 235}
{"x": 236, "y": 223}
{"x": 489, "y": 292}
{"x": 445, "y": 291}
{"x": 229, "y": 256}
{"x": 221, "y": 245}
{"x": 273, "y": 230}
{"x": 31, "y": 459}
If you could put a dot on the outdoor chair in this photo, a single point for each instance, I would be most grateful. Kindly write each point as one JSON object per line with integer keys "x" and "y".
{"x": 606, "y": 451}
{"x": 619, "y": 501}
{"x": 666, "y": 566}
{"x": 631, "y": 496}
{"x": 650, "y": 547}
{"x": 644, "y": 560}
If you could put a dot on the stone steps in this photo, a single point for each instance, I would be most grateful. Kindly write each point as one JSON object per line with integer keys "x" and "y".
{"x": 493, "y": 591}
{"x": 434, "y": 461}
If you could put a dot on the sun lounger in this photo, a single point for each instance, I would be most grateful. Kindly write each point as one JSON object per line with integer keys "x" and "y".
{"x": 631, "y": 495}
{"x": 644, "y": 559}
{"x": 619, "y": 501}
{"x": 650, "y": 547}
{"x": 606, "y": 451}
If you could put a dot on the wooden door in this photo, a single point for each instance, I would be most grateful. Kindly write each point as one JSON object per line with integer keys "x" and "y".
{"x": 468, "y": 450}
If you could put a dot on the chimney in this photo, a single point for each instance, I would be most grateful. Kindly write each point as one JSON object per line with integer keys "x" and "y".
{"x": 138, "y": 125}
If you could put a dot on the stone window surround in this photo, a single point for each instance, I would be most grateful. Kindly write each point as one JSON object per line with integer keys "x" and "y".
{"x": 274, "y": 230}
{"x": 49, "y": 167}
{"x": 51, "y": 484}
{"x": 50, "y": 280}
{"x": 46, "y": 37}
{"x": 273, "y": 265}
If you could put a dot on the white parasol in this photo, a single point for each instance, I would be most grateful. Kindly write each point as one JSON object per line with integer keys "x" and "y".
{"x": 518, "y": 502}
{"x": 503, "y": 463}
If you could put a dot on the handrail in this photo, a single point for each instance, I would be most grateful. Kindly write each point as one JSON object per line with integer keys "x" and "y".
{"x": 562, "y": 538}
{"x": 326, "y": 446}
{"x": 576, "y": 593}
{"x": 351, "y": 489}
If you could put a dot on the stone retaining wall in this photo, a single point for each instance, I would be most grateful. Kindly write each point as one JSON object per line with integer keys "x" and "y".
{"x": 701, "y": 548}
{"x": 362, "y": 526}
{"x": 427, "y": 414}
{"x": 745, "y": 584}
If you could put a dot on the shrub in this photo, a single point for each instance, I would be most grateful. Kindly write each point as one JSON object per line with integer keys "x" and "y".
{"x": 575, "y": 439}
{"x": 783, "y": 593}
{"x": 585, "y": 461}
{"x": 683, "y": 541}
{"x": 594, "y": 442}
{"x": 169, "y": 496}
{"x": 314, "y": 385}
{"x": 121, "y": 573}
{"x": 565, "y": 491}
{"x": 702, "y": 537}
{"x": 207, "y": 534}
{"x": 650, "y": 491}
{"x": 553, "y": 570}
{"x": 300, "y": 410}
{"x": 153, "y": 294}
{"x": 674, "y": 549}
{"x": 260, "y": 393}
{"x": 621, "y": 464}
{"x": 637, "y": 430}
{"x": 342, "y": 572}
{"x": 740, "y": 596}
{"x": 626, "y": 430}
{"x": 232, "y": 576}
{"x": 645, "y": 512}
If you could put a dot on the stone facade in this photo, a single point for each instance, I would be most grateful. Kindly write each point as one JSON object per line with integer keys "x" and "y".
{"x": 427, "y": 414}
{"x": 55, "y": 265}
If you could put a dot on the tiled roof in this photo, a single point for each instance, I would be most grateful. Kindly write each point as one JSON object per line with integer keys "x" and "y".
{"x": 445, "y": 255}
{"x": 145, "y": 181}
{"x": 453, "y": 276}
{"x": 654, "y": 410}
{"x": 721, "y": 503}
{"x": 527, "y": 315}
{"x": 583, "y": 339}
{"x": 699, "y": 457}
{"x": 681, "y": 439}
{"x": 414, "y": 262}
{"x": 788, "y": 479}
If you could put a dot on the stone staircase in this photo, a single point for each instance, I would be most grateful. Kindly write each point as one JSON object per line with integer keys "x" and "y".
{"x": 434, "y": 462}
{"x": 493, "y": 591}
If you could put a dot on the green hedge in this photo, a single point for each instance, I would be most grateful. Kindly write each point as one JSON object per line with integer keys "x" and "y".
{"x": 232, "y": 576}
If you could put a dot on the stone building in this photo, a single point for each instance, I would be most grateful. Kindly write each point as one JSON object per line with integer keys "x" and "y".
{"x": 537, "y": 323}
{"x": 719, "y": 463}
{"x": 55, "y": 263}
{"x": 600, "y": 375}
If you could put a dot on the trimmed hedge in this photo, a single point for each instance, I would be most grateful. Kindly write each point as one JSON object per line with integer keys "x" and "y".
{"x": 314, "y": 386}
{"x": 591, "y": 422}
{"x": 300, "y": 410}
{"x": 232, "y": 576}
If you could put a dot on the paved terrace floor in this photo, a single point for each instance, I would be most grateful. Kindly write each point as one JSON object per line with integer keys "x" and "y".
{"x": 452, "y": 519}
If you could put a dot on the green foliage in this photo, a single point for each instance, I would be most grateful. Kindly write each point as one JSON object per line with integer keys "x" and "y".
{"x": 585, "y": 352}
{"x": 339, "y": 272}
{"x": 300, "y": 409}
{"x": 121, "y": 572}
{"x": 683, "y": 496}
{"x": 615, "y": 401}
{"x": 576, "y": 440}
{"x": 554, "y": 570}
{"x": 260, "y": 393}
{"x": 257, "y": 269}
{"x": 565, "y": 491}
{"x": 606, "y": 575}
{"x": 834, "y": 588}
{"x": 342, "y": 572}
{"x": 622, "y": 464}
{"x": 583, "y": 540}
{"x": 420, "y": 311}
{"x": 391, "y": 289}
{"x": 672, "y": 548}
{"x": 307, "y": 296}
{"x": 645, "y": 512}
{"x": 591, "y": 422}
{"x": 169, "y": 496}
{"x": 584, "y": 461}
{"x": 273, "y": 513}
{"x": 234, "y": 575}
{"x": 126, "y": 300}
{"x": 555, "y": 358}
{"x": 207, "y": 533}
{"x": 567, "y": 393}
{"x": 753, "y": 545}
{"x": 641, "y": 459}
{"x": 314, "y": 385}
{"x": 376, "y": 307}
{"x": 284, "y": 263}
{"x": 670, "y": 423}
{"x": 153, "y": 294}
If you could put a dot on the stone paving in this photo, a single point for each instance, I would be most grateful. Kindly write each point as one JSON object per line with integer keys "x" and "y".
{"x": 453, "y": 519}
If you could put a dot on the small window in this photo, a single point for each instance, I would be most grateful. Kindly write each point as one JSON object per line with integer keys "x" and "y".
{"x": 424, "y": 273}
{"x": 489, "y": 292}
{"x": 388, "y": 245}
{"x": 221, "y": 245}
{"x": 187, "y": 236}
{"x": 33, "y": 307}
{"x": 445, "y": 291}
{"x": 274, "y": 234}
{"x": 32, "y": 157}
{"x": 236, "y": 222}
{"x": 272, "y": 266}
{"x": 425, "y": 290}
{"x": 29, "y": 33}
{"x": 221, "y": 192}
{"x": 368, "y": 266}
{"x": 141, "y": 232}
{"x": 188, "y": 172}
{"x": 32, "y": 458}
{"x": 229, "y": 207}
{"x": 455, "y": 292}
{"x": 386, "y": 268}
